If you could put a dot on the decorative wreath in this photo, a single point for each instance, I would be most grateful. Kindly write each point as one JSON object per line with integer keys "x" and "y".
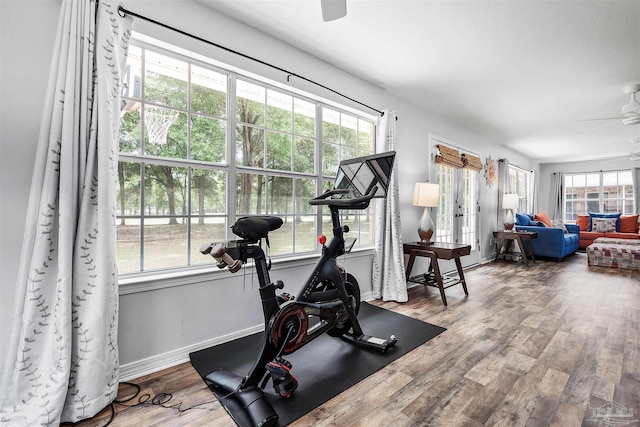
{"x": 490, "y": 171}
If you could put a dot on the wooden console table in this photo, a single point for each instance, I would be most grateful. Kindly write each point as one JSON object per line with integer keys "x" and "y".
{"x": 435, "y": 251}
{"x": 505, "y": 238}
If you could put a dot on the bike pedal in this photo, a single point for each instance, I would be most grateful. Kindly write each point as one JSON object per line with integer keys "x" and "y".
{"x": 283, "y": 382}
{"x": 284, "y": 362}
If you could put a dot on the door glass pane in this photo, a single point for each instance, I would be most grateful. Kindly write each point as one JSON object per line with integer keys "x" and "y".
{"x": 444, "y": 224}
{"x": 469, "y": 208}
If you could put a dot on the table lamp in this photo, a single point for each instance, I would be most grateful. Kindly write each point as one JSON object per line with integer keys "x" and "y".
{"x": 426, "y": 194}
{"x": 509, "y": 203}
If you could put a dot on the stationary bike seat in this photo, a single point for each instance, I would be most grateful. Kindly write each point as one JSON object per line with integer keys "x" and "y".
{"x": 254, "y": 228}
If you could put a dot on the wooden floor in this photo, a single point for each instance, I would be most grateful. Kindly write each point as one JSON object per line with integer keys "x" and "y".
{"x": 557, "y": 343}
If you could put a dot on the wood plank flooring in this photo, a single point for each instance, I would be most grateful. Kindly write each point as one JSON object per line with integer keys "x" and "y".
{"x": 547, "y": 345}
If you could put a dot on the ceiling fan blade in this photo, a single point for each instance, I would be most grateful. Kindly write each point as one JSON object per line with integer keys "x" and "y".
{"x": 595, "y": 120}
{"x": 333, "y": 9}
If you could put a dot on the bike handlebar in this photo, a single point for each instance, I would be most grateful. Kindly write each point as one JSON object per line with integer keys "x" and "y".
{"x": 355, "y": 202}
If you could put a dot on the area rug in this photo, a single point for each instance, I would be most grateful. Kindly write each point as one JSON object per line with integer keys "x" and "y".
{"x": 324, "y": 368}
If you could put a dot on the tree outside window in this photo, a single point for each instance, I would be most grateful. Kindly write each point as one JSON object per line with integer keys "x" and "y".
{"x": 195, "y": 156}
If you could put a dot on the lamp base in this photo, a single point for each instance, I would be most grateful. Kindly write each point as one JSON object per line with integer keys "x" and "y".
{"x": 425, "y": 227}
{"x": 425, "y": 235}
{"x": 508, "y": 220}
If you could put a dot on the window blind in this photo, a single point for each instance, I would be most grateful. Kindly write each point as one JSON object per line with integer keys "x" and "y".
{"x": 448, "y": 156}
{"x": 471, "y": 162}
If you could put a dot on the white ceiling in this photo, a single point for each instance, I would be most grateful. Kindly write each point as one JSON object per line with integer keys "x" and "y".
{"x": 520, "y": 73}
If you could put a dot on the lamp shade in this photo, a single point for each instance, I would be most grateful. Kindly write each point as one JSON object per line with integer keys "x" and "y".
{"x": 426, "y": 194}
{"x": 510, "y": 201}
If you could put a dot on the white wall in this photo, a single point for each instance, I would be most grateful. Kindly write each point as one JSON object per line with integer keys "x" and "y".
{"x": 158, "y": 326}
{"x": 27, "y": 32}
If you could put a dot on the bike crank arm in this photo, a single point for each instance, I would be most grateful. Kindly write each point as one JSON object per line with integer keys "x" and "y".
{"x": 374, "y": 343}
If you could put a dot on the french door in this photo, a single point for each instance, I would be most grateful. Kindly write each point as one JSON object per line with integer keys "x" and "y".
{"x": 457, "y": 218}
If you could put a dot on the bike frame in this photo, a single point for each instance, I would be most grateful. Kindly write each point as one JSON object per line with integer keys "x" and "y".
{"x": 326, "y": 269}
{"x": 325, "y": 295}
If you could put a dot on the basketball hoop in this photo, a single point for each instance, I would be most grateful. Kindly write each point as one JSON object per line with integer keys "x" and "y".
{"x": 158, "y": 120}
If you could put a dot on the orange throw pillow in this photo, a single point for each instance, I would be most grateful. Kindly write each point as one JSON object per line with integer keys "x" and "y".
{"x": 628, "y": 223}
{"x": 583, "y": 222}
{"x": 543, "y": 218}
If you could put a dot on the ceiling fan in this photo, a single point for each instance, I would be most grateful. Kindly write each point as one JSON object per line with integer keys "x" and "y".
{"x": 630, "y": 111}
{"x": 333, "y": 9}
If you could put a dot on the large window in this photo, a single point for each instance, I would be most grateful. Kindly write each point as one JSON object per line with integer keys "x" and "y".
{"x": 520, "y": 183}
{"x": 598, "y": 192}
{"x": 201, "y": 146}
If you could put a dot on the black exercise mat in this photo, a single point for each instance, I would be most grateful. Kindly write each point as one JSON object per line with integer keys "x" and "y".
{"x": 324, "y": 368}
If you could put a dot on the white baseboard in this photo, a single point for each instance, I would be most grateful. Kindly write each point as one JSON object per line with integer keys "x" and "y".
{"x": 368, "y": 296}
{"x": 488, "y": 259}
{"x": 166, "y": 360}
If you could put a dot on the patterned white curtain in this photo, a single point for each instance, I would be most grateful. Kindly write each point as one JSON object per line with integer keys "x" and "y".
{"x": 61, "y": 364}
{"x": 557, "y": 193}
{"x": 534, "y": 191}
{"x": 389, "y": 282}
{"x": 503, "y": 188}
{"x": 635, "y": 176}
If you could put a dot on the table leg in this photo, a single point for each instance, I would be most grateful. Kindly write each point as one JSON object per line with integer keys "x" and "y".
{"x": 461, "y": 274}
{"x": 412, "y": 259}
{"x": 436, "y": 272}
{"x": 499, "y": 247}
{"x": 507, "y": 246}
{"x": 522, "y": 251}
{"x": 530, "y": 254}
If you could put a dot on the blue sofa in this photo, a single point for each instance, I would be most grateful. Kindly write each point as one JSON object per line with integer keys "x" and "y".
{"x": 551, "y": 242}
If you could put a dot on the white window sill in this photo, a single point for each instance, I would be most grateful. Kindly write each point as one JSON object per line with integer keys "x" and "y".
{"x": 135, "y": 283}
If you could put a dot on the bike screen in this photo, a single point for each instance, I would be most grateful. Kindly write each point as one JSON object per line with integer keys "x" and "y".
{"x": 360, "y": 174}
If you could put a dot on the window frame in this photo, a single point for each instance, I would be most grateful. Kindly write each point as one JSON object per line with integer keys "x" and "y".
{"x": 602, "y": 190}
{"x": 229, "y": 166}
{"x": 525, "y": 197}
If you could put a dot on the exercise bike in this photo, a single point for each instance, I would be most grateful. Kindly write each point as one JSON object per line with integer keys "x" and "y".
{"x": 328, "y": 303}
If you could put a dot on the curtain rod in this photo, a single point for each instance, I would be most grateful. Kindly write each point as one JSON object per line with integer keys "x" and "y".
{"x": 123, "y": 12}
{"x": 511, "y": 164}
